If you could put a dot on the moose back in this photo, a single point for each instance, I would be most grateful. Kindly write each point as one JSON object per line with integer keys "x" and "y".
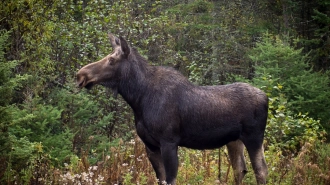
{"x": 170, "y": 111}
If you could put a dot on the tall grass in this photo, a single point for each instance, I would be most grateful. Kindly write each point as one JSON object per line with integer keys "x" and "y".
{"x": 128, "y": 164}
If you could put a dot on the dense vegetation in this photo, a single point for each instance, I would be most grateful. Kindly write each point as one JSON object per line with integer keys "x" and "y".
{"x": 53, "y": 133}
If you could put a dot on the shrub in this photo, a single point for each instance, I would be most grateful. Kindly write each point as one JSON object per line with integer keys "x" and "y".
{"x": 286, "y": 130}
{"x": 306, "y": 91}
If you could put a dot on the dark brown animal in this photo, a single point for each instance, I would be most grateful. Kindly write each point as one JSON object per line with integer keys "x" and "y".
{"x": 170, "y": 111}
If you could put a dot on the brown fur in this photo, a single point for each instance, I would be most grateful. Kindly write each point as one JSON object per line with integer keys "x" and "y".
{"x": 170, "y": 111}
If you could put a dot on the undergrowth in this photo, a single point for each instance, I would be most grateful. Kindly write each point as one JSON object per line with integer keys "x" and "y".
{"x": 128, "y": 164}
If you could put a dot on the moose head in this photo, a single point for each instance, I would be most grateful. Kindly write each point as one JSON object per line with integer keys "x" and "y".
{"x": 104, "y": 71}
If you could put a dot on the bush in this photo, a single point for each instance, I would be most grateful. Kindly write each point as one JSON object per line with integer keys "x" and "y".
{"x": 306, "y": 91}
{"x": 287, "y": 131}
{"x": 10, "y": 147}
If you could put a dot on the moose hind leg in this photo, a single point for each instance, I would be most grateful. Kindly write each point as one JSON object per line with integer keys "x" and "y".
{"x": 236, "y": 155}
{"x": 156, "y": 161}
{"x": 257, "y": 157}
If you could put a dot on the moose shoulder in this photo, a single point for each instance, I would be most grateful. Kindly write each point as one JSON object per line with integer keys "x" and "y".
{"x": 170, "y": 111}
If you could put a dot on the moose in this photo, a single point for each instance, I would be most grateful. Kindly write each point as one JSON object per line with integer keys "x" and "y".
{"x": 170, "y": 111}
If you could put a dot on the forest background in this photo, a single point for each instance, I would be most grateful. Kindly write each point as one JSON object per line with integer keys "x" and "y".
{"x": 53, "y": 133}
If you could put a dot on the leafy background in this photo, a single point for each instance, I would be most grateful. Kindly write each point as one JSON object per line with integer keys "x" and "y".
{"x": 52, "y": 133}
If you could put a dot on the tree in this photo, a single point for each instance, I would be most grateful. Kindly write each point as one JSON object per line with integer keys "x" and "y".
{"x": 306, "y": 90}
{"x": 9, "y": 83}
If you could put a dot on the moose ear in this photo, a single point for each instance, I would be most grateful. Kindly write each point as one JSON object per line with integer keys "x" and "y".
{"x": 124, "y": 47}
{"x": 114, "y": 41}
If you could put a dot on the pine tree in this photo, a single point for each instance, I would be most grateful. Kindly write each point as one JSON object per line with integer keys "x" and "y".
{"x": 307, "y": 91}
{"x": 9, "y": 82}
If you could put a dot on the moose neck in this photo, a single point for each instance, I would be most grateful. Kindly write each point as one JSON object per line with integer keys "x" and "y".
{"x": 133, "y": 81}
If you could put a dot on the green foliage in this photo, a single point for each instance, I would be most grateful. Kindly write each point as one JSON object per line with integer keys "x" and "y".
{"x": 9, "y": 83}
{"x": 30, "y": 136}
{"x": 45, "y": 123}
{"x": 307, "y": 91}
{"x": 196, "y": 165}
{"x": 287, "y": 131}
{"x": 319, "y": 33}
{"x": 199, "y": 6}
{"x": 83, "y": 118}
{"x": 128, "y": 178}
{"x": 22, "y": 158}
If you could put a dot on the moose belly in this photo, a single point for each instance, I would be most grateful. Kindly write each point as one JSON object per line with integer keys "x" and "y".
{"x": 208, "y": 139}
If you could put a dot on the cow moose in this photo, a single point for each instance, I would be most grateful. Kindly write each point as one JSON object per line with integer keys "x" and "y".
{"x": 170, "y": 111}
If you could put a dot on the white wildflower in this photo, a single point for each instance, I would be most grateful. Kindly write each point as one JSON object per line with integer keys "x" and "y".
{"x": 84, "y": 176}
{"x": 132, "y": 142}
{"x": 100, "y": 178}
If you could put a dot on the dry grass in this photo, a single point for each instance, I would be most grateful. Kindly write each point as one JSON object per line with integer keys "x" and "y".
{"x": 128, "y": 164}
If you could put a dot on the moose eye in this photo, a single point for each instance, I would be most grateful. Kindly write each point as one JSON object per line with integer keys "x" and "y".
{"x": 111, "y": 61}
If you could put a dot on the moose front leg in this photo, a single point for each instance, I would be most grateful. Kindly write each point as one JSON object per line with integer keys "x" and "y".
{"x": 156, "y": 160}
{"x": 170, "y": 158}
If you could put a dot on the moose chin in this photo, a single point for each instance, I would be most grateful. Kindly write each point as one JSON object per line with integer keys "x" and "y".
{"x": 170, "y": 111}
